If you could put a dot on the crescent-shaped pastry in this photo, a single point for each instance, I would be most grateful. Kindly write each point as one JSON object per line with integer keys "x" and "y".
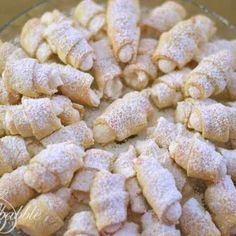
{"x": 180, "y": 44}
{"x": 124, "y": 117}
{"x": 122, "y": 28}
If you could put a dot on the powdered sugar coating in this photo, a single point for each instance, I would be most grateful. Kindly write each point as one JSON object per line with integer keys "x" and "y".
{"x": 10, "y": 53}
{"x": 13, "y": 153}
{"x": 50, "y": 207}
{"x": 108, "y": 199}
{"x": 41, "y": 117}
{"x": 198, "y": 158}
{"x": 106, "y": 69}
{"x": 77, "y": 133}
{"x": 195, "y": 220}
{"x": 58, "y": 162}
{"x": 82, "y": 223}
{"x": 220, "y": 198}
{"x": 213, "y": 74}
{"x": 128, "y": 229}
{"x": 124, "y": 163}
{"x": 77, "y": 86}
{"x": 143, "y": 63}
{"x": 126, "y": 116}
{"x": 150, "y": 148}
{"x": 152, "y": 226}
{"x": 181, "y": 43}
{"x": 122, "y": 27}
{"x": 88, "y": 13}
{"x": 31, "y": 79}
{"x": 166, "y": 131}
{"x": 168, "y": 90}
{"x": 68, "y": 43}
{"x": 162, "y": 18}
{"x": 32, "y": 40}
{"x": 158, "y": 186}
{"x": 13, "y": 188}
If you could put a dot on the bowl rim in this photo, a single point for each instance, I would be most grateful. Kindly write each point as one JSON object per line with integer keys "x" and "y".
{"x": 202, "y": 7}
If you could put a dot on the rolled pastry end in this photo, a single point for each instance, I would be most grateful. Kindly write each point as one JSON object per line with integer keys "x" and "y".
{"x": 94, "y": 98}
{"x": 194, "y": 92}
{"x": 96, "y": 23}
{"x": 126, "y": 53}
{"x": 199, "y": 86}
{"x": 87, "y": 63}
{"x": 103, "y": 134}
{"x": 112, "y": 229}
{"x": 173, "y": 213}
{"x": 113, "y": 88}
{"x": 44, "y": 52}
{"x": 195, "y": 121}
{"x": 54, "y": 79}
{"x": 39, "y": 179}
{"x": 137, "y": 80}
{"x": 166, "y": 66}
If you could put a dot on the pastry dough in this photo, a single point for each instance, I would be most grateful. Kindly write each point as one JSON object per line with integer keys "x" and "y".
{"x": 9, "y": 53}
{"x": 78, "y": 133}
{"x": 178, "y": 46}
{"x": 29, "y": 78}
{"x": 91, "y": 16}
{"x": 142, "y": 70}
{"x": 169, "y": 89}
{"x": 195, "y": 220}
{"x": 128, "y": 229}
{"x": 6, "y": 97}
{"x": 215, "y": 46}
{"x": 159, "y": 189}
{"x": 33, "y": 146}
{"x": 54, "y": 167}
{"x": 185, "y": 108}
{"x": 33, "y": 42}
{"x": 14, "y": 190}
{"x": 67, "y": 111}
{"x": 215, "y": 121}
{"x": 122, "y": 28}
{"x": 109, "y": 201}
{"x": 56, "y": 16}
{"x": 229, "y": 92}
{"x": 198, "y": 158}
{"x": 49, "y": 211}
{"x": 211, "y": 76}
{"x": 34, "y": 117}
{"x": 166, "y": 131}
{"x": 106, "y": 70}
{"x": 230, "y": 160}
{"x": 221, "y": 201}
{"x": 124, "y": 117}
{"x": 124, "y": 165}
{"x": 70, "y": 45}
{"x": 94, "y": 161}
{"x": 162, "y": 18}
{"x": 13, "y": 153}
{"x": 21, "y": 119}
{"x": 153, "y": 227}
{"x": 150, "y": 148}
{"x": 77, "y": 86}
{"x": 82, "y": 223}
{"x": 46, "y": 79}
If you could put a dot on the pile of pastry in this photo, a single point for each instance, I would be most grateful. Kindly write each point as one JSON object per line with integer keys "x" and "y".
{"x": 139, "y": 65}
